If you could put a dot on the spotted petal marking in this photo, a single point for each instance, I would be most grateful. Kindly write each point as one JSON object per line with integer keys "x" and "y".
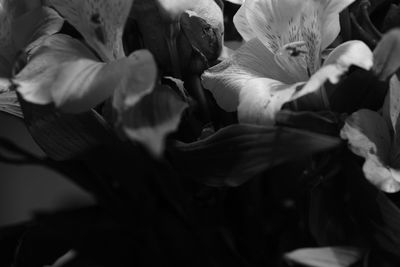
{"x": 101, "y": 22}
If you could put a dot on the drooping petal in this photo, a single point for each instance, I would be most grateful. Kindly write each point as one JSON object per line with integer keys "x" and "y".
{"x": 369, "y": 137}
{"x": 325, "y": 256}
{"x": 387, "y": 55}
{"x": 338, "y": 63}
{"x": 62, "y": 70}
{"x": 101, "y": 22}
{"x": 253, "y": 60}
{"x": 367, "y": 133}
{"x": 150, "y": 119}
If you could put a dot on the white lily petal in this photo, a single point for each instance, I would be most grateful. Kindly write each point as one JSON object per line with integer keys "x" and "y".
{"x": 330, "y": 20}
{"x": 368, "y": 136}
{"x": 152, "y": 118}
{"x": 67, "y": 73}
{"x": 367, "y": 133}
{"x": 262, "y": 98}
{"x": 242, "y": 25}
{"x": 251, "y": 61}
{"x": 275, "y": 22}
{"x": 101, "y": 22}
{"x": 350, "y": 53}
{"x": 325, "y": 256}
{"x": 175, "y": 7}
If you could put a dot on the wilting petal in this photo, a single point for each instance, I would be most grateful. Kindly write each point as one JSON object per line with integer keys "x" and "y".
{"x": 275, "y": 22}
{"x": 67, "y": 73}
{"x": 101, "y": 22}
{"x": 151, "y": 118}
{"x": 369, "y": 137}
{"x": 387, "y": 55}
{"x": 242, "y": 24}
{"x": 253, "y": 60}
{"x": 338, "y": 63}
{"x": 325, "y": 256}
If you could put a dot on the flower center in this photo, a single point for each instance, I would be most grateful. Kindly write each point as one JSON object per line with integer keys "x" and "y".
{"x": 292, "y": 58}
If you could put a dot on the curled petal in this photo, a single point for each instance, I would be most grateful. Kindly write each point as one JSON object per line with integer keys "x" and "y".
{"x": 151, "y": 118}
{"x": 367, "y": 133}
{"x": 351, "y": 53}
{"x": 227, "y": 79}
{"x": 368, "y": 136}
{"x": 387, "y": 55}
{"x": 67, "y": 73}
{"x": 338, "y": 63}
{"x": 101, "y": 22}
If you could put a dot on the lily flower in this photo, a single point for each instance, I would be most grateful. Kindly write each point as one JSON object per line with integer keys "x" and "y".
{"x": 282, "y": 57}
{"x": 76, "y": 76}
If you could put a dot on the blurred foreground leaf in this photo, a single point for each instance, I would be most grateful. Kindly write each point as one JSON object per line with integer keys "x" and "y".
{"x": 237, "y": 153}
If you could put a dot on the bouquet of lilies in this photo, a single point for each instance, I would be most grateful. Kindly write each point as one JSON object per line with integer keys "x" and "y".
{"x": 210, "y": 132}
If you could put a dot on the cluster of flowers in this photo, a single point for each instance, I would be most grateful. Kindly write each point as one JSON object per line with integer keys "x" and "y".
{"x": 291, "y": 54}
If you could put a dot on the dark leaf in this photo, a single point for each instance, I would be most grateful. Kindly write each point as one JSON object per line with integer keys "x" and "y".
{"x": 237, "y": 153}
{"x": 64, "y": 136}
{"x": 376, "y": 214}
{"x": 361, "y": 89}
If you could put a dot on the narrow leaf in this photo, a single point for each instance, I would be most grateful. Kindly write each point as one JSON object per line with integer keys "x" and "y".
{"x": 237, "y": 153}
